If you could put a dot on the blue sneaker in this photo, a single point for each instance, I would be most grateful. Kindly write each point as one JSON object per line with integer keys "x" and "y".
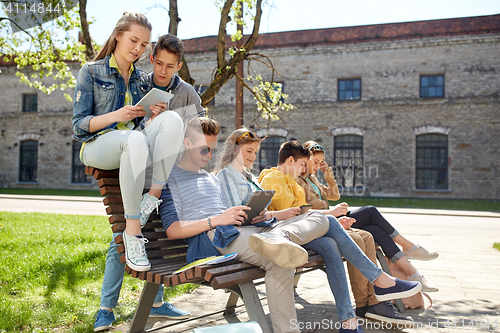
{"x": 401, "y": 289}
{"x": 167, "y": 310}
{"x": 103, "y": 320}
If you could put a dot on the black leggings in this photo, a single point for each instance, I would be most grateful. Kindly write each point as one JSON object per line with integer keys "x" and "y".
{"x": 369, "y": 218}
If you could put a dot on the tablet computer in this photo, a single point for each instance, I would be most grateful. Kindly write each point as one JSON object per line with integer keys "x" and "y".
{"x": 153, "y": 97}
{"x": 258, "y": 202}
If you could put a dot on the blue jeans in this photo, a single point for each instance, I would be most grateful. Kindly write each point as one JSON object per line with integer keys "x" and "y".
{"x": 113, "y": 278}
{"x": 332, "y": 246}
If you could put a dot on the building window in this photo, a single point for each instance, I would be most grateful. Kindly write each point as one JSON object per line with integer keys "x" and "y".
{"x": 432, "y": 162}
{"x": 431, "y": 86}
{"x": 349, "y": 90}
{"x": 269, "y": 148}
{"x": 348, "y": 160}
{"x": 30, "y": 102}
{"x": 28, "y": 161}
{"x": 200, "y": 88}
{"x": 77, "y": 167}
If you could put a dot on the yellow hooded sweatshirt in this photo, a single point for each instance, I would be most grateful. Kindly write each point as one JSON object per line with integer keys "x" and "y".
{"x": 288, "y": 192}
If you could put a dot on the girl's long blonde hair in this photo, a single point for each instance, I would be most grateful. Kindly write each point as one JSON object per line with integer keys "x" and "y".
{"x": 121, "y": 26}
{"x": 231, "y": 148}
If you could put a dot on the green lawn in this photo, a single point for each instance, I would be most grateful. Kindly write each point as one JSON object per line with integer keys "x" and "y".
{"x": 51, "y": 269}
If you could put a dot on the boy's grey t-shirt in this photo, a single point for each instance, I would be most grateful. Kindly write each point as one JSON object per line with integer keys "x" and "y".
{"x": 192, "y": 196}
{"x": 196, "y": 195}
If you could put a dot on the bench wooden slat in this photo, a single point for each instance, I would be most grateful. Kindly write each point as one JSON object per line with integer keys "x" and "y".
{"x": 116, "y": 218}
{"x": 98, "y": 174}
{"x": 118, "y": 227}
{"x": 154, "y": 254}
{"x": 108, "y": 181}
{"x": 110, "y": 190}
{"x": 229, "y": 280}
{"x": 314, "y": 260}
{"x": 115, "y": 209}
{"x": 162, "y": 269}
{"x": 164, "y": 243}
{"x": 212, "y": 272}
{"x": 112, "y": 200}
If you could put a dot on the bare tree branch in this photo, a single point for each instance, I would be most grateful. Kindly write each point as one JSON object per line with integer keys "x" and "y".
{"x": 173, "y": 13}
{"x": 226, "y": 70}
{"x": 89, "y": 48}
{"x": 173, "y": 26}
{"x": 221, "y": 38}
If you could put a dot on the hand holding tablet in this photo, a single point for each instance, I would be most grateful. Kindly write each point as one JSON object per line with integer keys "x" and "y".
{"x": 258, "y": 202}
{"x": 153, "y": 97}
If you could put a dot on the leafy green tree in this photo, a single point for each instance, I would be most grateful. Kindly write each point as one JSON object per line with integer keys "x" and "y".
{"x": 45, "y": 50}
{"x": 268, "y": 95}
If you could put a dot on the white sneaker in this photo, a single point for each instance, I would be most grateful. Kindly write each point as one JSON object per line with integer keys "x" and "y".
{"x": 421, "y": 253}
{"x": 278, "y": 249}
{"x": 135, "y": 253}
{"x": 426, "y": 286}
{"x": 148, "y": 204}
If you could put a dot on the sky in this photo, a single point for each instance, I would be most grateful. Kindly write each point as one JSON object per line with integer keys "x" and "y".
{"x": 201, "y": 17}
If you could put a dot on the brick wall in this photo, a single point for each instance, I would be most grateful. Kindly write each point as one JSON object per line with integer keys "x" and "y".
{"x": 388, "y": 116}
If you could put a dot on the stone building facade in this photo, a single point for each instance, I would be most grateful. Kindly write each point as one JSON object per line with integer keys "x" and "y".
{"x": 405, "y": 110}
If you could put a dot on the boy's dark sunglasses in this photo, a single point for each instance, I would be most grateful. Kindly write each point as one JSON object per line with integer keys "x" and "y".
{"x": 206, "y": 150}
{"x": 317, "y": 147}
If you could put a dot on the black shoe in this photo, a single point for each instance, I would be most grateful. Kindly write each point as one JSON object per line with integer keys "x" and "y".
{"x": 360, "y": 312}
{"x": 387, "y": 312}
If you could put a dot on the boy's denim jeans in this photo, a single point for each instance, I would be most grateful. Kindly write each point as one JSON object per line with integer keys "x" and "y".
{"x": 332, "y": 246}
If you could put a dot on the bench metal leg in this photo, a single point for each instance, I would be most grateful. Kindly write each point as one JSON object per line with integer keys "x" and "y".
{"x": 253, "y": 306}
{"x": 144, "y": 307}
{"x": 385, "y": 268}
{"x": 229, "y": 312}
{"x": 297, "y": 277}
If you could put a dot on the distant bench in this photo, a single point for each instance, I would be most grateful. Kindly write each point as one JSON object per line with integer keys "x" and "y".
{"x": 166, "y": 256}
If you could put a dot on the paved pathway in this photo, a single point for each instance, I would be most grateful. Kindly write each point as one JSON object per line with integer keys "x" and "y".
{"x": 52, "y": 204}
{"x": 467, "y": 272}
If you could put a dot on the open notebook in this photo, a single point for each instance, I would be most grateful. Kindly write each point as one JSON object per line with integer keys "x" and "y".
{"x": 208, "y": 261}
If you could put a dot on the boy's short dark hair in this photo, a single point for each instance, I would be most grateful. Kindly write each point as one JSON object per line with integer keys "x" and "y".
{"x": 170, "y": 44}
{"x": 203, "y": 124}
{"x": 292, "y": 148}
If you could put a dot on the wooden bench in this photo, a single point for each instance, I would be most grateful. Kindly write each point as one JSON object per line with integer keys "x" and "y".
{"x": 166, "y": 256}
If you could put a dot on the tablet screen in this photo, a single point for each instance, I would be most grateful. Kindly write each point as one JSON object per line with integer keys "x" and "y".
{"x": 258, "y": 202}
{"x": 153, "y": 97}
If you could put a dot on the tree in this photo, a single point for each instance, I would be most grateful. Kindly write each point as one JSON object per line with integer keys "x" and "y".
{"x": 268, "y": 94}
{"x": 47, "y": 49}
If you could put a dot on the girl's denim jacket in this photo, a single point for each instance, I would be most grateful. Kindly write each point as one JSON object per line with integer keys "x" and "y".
{"x": 101, "y": 89}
